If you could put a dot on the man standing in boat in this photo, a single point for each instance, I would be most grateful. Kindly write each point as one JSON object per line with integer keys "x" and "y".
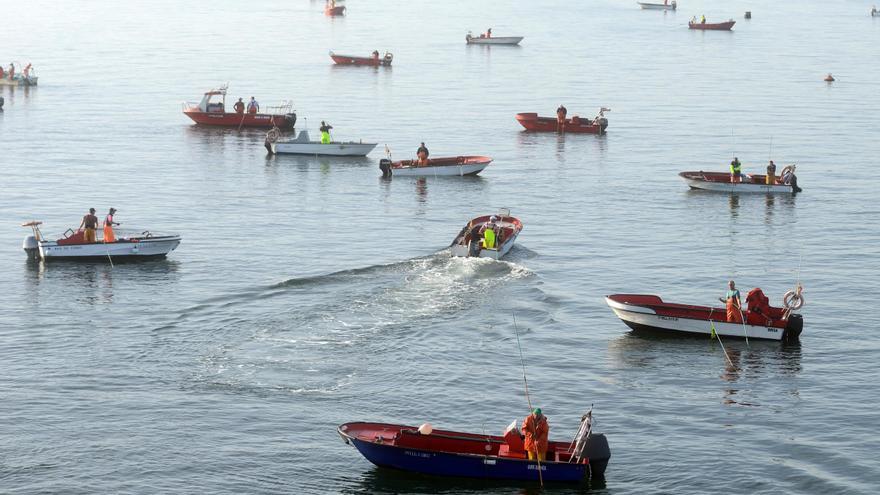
{"x": 253, "y": 106}
{"x": 735, "y": 170}
{"x": 109, "y": 235}
{"x": 771, "y": 173}
{"x": 422, "y": 153}
{"x": 561, "y": 112}
{"x": 325, "y": 132}
{"x": 734, "y": 303}
{"x": 239, "y": 106}
{"x": 89, "y": 226}
{"x": 536, "y": 430}
{"x": 489, "y": 235}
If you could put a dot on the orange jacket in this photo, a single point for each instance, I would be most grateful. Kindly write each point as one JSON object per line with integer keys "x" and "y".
{"x": 536, "y": 431}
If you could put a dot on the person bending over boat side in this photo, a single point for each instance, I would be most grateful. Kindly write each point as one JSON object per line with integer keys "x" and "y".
{"x": 239, "y": 106}
{"x": 325, "y": 132}
{"x": 109, "y": 235}
{"x": 735, "y": 170}
{"x": 422, "y": 153}
{"x": 771, "y": 173}
{"x": 536, "y": 430}
{"x": 561, "y": 112}
{"x": 734, "y": 303}
{"x": 253, "y": 106}
{"x": 89, "y": 226}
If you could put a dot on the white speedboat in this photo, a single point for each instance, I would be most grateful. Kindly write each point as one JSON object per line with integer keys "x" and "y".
{"x": 720, "y": 181}
{"x": 129, "y": 245}
{"x": 658, "y": 6}
{"x": 494, "y": 40}
{"x": 470, "y": 242}
{"x": 647, "y": 312}
{"x": 302, "y": 145}
{"x": 454, "y": 165}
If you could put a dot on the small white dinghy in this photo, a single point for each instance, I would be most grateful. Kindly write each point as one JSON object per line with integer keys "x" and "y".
{"x": 448, "y": 166}
{"x": 658, "y": 6}
{"x": 498, "y": 231}
{"x": 751, "y": 183}
{"x": 71, "y": 245}
{"x": 493, "y": 40}
{"x": 302, "y": 145}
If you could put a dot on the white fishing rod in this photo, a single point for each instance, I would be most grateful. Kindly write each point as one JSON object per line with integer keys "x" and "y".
{"x": 528, "y": 398}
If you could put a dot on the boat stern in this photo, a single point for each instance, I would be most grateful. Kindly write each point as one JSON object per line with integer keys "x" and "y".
{"x": 793, "y": 328}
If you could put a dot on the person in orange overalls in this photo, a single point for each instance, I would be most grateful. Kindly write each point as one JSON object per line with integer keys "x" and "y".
{"x": 536, "y": 430}
{"x": 734, "y": 303}
{"x": 109, "y": 235}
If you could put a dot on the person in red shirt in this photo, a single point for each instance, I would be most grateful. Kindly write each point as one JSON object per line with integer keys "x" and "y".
{"x": 536, "y": 430}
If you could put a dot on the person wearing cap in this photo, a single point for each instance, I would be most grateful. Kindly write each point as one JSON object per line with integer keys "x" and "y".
{"x": 109, "y": 235}
{"x": 89, "y": 226}
{"x": 489, "y": 235}
{"x": 536, "y": 430}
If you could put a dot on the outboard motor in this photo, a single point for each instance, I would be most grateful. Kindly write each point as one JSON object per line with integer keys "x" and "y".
{"x": 793, "y": 328}
{"x": 596, "y": 449}
{"x": 1, "y": 103}
{"x": 291, "y": 117}
{"x": 31, "y": 247}
{"x": 385, "y": 167}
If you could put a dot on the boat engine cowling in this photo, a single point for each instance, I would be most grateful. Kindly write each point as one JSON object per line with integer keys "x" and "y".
{"x": 32, "y": 247}
{"x": 385, "y": 167}
{"x": 794, "y": 327}
{"x": 596, "y": 449}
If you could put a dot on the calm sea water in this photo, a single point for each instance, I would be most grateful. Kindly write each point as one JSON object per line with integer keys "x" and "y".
{"x": 309, "y": 292}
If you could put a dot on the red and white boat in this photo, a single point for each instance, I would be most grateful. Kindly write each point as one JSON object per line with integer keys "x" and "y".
{"x": 645, "y": 312}
{"x": 454, "y": 165}
{"x": 751, "y": 183}
{"x": 469, "y": 242}
{"x": 208, "y": 112}
{"x": 373, "y": 61}
{"x": 71, "y": 245}
{"x": 706, "y": 26}
{"x": 331, "y": 9}
{"x": 532, "y": 122}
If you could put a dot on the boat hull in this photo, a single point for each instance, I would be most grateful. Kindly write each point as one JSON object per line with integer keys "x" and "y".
{"x": 454, "y": 454}
{"x": 254, "y": 120}
{"x": 720, "y": 182}
{"x": 692, "y": 320}
{"x": 718, "y": 26}
{"x": 334, "y": 11}
{"x": 331, "y": 149}
{"x": 449, "y": 166}
{"x": 533, "y": 123}
{"x": 657, "y": 6}
{"x": 155, "y": 247}
{"x": 501, "y": 40}
{"x": 19, "y": 81}
{"x": 367, "y": 61}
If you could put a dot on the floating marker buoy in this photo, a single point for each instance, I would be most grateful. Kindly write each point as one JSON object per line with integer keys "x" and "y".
{"x": 748, "y": 14}
{"x": 829, "y": 78}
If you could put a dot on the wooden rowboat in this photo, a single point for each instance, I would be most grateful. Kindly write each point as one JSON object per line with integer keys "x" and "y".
{"x": 718, "y": 26}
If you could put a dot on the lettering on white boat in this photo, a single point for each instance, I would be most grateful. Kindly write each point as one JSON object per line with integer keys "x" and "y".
{"x": 667, "y": 318}
{"x": 772, "y": 329}
{"x": 535, "y": 468}
{"x": 490, "y": 462}
{"x": 417, "y": 454}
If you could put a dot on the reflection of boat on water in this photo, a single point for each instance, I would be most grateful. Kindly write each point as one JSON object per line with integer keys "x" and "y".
{"x": 457, "y": 454}
{"x": 645, "y": 312}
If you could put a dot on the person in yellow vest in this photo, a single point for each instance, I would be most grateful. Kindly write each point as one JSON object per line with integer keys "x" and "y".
{"x": 325, "y": 132}
{"x": 735, "y": 170}
{"x": 489, "y": 235}
{"x": 703, "y": 19}
{"x": 771, "y": 173}
{"x": 109, "y": 235}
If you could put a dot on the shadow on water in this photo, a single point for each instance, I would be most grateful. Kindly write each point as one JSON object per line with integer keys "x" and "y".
{"x": 324, "y": 163}
{"x": 384, "y": 480}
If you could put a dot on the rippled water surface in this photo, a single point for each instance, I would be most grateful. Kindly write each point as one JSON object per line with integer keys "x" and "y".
{"x": 310, "y": 292}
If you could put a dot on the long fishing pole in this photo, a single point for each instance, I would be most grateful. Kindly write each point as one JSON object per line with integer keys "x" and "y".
{"x": 522, "y": 362}
{"x": 715, "y": 333}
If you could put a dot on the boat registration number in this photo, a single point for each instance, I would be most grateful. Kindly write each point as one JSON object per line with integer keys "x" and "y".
{"x": 416, "y": 454}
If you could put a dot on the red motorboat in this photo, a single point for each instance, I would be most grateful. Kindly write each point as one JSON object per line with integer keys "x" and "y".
{"x": 718, "y": 26}
{"x": 647, "y": 312}
{"x": 207, "y": 112}
{"x": 332, "y": 10}
{"x": 532, "y": 122}
{"x": 374, "y": 60}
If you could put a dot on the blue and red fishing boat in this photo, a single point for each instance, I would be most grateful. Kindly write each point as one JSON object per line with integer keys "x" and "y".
{"x": 472, "y": 455}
